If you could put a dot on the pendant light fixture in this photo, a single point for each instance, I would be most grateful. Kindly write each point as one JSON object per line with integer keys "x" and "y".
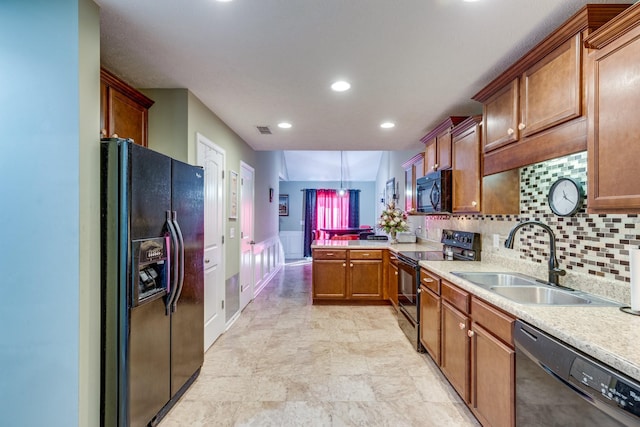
{"x": 342, "y": 190}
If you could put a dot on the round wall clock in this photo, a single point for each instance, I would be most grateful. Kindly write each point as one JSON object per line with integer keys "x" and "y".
{"x": 565, "y": 196}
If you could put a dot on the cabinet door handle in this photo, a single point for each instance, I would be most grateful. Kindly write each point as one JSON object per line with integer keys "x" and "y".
{"x": 206, "y": 261}
{"x": 470, "y": 333}
{"x": 435, "y": 167}
{"x": 344, "y": 264}
{"x": 351, "y": 264}
{"x": 396, "y": 273}
{"x": 419, "y": 290}
{"x": 521, "y": 126}
{"x": 510, "y": 131}
{"x": 427, "y": 280}
{"x": 461, "y": 325}
{"x": 329, "y": 253}
{"x": 366, "y": 254}
{"x": 474, "y": 203}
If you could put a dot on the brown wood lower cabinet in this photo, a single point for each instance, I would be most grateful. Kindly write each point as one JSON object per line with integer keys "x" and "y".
{"x": 347, "y": 275}
{"x": 472, "y": 342}
{"x": 455, "y": 348}
{"x": 430, "y": 307}
{"x": 329, "y": 279}
{"x": 492, "y": 365}
{"x": 365, "y": 279}
{"x": 492, "y": 375}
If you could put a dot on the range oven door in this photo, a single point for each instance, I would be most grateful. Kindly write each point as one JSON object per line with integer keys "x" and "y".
{"x": 407, "y": 288}
{"x": 408, "y": 302}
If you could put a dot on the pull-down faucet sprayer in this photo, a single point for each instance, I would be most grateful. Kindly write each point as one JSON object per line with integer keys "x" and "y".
{"x": 554, "y": 267}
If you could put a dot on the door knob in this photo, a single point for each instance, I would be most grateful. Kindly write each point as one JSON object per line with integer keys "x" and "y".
{"x": 461, "y": 325}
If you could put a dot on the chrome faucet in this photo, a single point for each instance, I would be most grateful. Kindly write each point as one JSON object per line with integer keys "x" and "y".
{"x": 554, "y": 267}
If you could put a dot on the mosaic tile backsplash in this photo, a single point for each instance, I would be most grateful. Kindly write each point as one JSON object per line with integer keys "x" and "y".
{"x": 593, "y": 244}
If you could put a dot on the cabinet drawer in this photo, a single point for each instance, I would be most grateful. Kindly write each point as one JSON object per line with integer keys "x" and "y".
{"x": 329, "y": 254}
{"x": 431, "y": 281}
{"x": 498, "y": 323}
{"x": 456, "y": 297}
{"x": 360, "y": 254}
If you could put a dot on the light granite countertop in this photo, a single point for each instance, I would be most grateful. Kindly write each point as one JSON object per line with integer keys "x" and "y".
{"x": 604, "y": 333}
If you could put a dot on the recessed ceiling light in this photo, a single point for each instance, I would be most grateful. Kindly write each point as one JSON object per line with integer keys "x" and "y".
{"x": 470, "y": 1}
{"x": 224, "y": 1}
{"x": 387, "y": 125}
{"x": 340, "y": 86}
{"x": 284, "y": 125}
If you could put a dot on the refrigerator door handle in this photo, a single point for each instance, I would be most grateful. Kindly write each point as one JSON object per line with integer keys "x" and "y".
{"x": 174, "y": 262}
{"x": 176, "y": 297}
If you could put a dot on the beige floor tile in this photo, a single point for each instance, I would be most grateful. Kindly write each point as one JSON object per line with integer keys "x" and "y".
{"x": 285, "y": 362}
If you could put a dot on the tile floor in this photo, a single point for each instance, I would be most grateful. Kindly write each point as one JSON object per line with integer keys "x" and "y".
{"x": 286, "y": 362}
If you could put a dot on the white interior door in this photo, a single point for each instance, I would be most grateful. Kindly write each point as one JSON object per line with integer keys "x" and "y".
{"x": 211, "y": 158}
{"x": 247, "y": 281}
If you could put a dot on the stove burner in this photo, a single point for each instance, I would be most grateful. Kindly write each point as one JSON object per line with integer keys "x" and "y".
{"x": 461, "y": 245}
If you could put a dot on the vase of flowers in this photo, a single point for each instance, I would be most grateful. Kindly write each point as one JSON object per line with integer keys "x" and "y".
{"x": 393, "y": 220}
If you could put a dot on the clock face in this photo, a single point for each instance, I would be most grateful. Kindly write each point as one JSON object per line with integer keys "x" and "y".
{"x": 565, "y": 197}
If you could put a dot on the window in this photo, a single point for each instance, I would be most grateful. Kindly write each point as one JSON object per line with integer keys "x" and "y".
{"x": 332, "y": 210}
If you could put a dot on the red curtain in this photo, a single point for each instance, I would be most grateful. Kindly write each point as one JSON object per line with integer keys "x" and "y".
{"x": 332, "y": 210}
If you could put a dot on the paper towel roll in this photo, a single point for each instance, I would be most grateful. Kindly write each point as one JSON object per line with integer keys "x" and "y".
{"x": 634, "y": 266}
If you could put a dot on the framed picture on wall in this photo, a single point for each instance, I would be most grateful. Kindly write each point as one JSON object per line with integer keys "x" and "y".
{"x": 233, "y": 194}
{"x": 283, "y": 205}
{"x": 390, "y": 191}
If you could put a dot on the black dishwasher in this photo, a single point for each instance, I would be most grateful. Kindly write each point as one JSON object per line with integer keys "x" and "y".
{"x": 557, "y": 385}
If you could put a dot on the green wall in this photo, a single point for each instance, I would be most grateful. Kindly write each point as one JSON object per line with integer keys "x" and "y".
{"x": 89, "y": 162}
{"x": 175, "y": 119}
{"x": 168, "y": 132}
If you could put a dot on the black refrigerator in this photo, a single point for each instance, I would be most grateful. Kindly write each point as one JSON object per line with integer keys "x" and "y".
{"x": 152, "y": 242}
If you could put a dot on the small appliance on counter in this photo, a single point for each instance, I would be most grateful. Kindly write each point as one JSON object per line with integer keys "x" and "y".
{"x": 404, "y": 237}
{"x": 457, "y": 246}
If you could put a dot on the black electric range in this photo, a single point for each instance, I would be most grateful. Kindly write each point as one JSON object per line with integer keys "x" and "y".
{"x": 456, "y": 246}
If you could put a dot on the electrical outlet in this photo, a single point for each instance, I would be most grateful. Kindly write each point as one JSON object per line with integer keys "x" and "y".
{"x": 496, "y": 241}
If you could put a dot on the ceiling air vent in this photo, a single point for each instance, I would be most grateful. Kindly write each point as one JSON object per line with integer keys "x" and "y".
{"x": 264, "y": 130}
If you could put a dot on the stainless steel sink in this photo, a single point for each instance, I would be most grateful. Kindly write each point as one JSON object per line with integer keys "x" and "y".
{"x": 498, "y": 279}
{"x": 539, "y": 295}
{"x": 525, "y": 289}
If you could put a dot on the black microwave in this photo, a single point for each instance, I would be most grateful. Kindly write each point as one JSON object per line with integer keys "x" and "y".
{"x": 434, "y": 192}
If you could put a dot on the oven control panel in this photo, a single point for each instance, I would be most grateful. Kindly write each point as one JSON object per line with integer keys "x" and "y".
{"x": 464, "y": 245}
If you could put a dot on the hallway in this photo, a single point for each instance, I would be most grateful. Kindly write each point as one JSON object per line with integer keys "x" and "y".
{"x": 286, "y": 362}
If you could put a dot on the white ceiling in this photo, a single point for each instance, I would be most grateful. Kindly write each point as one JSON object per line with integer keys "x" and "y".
{"x": 332, "y": 165}
{"x": 260, "y": 62}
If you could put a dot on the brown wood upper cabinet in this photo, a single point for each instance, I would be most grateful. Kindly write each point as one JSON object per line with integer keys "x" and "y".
{"x": 494, "y": 194}
{"x": 437, "y": 153}
{"x": 413, "y": 169}
{"x": 535, "y": 111}
{"x": 467, "y": 166}
{"x": 123, "y": 110}
{"x": 614, "y": 96}
{"x": 544, "y": 95}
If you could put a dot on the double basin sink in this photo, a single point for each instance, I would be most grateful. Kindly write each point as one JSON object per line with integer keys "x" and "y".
{"x": 524, "y": 289}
